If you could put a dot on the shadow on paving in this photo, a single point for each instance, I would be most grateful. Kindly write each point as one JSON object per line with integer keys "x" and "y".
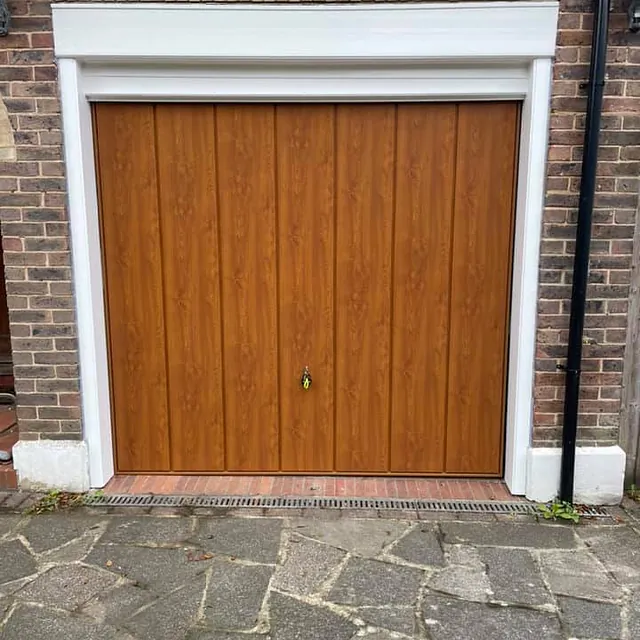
{"x": 322, "y": 575}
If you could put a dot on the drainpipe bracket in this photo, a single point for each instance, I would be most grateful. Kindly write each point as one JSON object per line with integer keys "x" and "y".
{"x": 564, "y": 368}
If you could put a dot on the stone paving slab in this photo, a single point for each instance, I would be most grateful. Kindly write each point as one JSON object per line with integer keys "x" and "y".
{"x": 235, "y": 596}
{"x": 420, "y": 546}
{"x": 158, "y": 570}
{"x": 49, "y": 531}
{"x": 75, "y": 550}
{"x": 400, "y": 619}
{"x": 198, "y": 634}
{"x": 464, "y": 555}
{"x": 118, "y": 604}
{"x": 580, "y": 575}
{"x": 171, "y": 616}
{"x": 5, "y": 603}
{"x": 89, "y": 575}
{"x": 308, "y": 565}
{"x": 468, "y": 583}
{"x": 585, "y": 619}
{"x": 168, "y": 531}
{"x": 453, "y": 619}
{"x": 28, "y": 622}
{"x": 371, "y": 582}
{"x": 380, "y": 634}
{"x": 255, "y": 539}
{"x": 633, "y": 614}
{"x": 66, "y": 587}
{"x": 15, "y": 562}
{"x": 515, "y": 577}
{"x": 363, "y": 537}
{"x": 503, "y": 534}
{"x": 607, "y": 542}
{"x": 292, "y": 619}
{"x": 7, "y": 523}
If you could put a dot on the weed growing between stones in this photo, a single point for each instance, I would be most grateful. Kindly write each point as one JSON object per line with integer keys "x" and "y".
{"x": 559, "y": 510}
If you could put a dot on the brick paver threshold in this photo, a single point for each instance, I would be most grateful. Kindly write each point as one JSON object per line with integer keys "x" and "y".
{"x": 311, "y": 486}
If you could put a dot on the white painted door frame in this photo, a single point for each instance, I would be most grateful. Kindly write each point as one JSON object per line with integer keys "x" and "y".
{"x": 377, "y": 52}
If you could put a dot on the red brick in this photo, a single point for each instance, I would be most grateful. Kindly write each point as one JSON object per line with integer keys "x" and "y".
{"x": 8, "y": 478}
{"x": 42, "y": 40}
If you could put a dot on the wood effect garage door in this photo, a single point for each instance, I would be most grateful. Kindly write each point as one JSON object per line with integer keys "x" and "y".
{"x": 371, "y": 243}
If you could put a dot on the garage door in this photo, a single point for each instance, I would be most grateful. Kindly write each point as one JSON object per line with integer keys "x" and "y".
{"x": 367, "y": 245}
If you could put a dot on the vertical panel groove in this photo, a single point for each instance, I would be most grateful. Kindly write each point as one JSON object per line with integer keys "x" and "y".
{"x": 392, "y": 278}
{"x": 164, "y": 284}
{"x": 216, "y": 161}
{"x": 336, "y": 184}
{"x": 451, "y": 237}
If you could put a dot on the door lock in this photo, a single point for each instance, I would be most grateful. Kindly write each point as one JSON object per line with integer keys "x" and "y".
{"x": 305, "y": 380}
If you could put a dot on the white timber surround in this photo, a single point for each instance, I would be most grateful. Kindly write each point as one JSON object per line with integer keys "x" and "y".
{"x": 305, "y": 53}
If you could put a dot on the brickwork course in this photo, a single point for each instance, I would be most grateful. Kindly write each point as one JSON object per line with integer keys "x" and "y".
{"x": 614, "y": 218}
{"x": 36, "y": 240}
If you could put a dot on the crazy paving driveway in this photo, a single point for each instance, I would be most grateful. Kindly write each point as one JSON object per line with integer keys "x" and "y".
{"x": 84, "y": 575}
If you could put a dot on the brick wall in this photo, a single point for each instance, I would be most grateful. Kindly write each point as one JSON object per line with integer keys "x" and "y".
{"x": 36, "y": 241}
{"x": 614, "y": 219}
{"x": 35, "y": 232}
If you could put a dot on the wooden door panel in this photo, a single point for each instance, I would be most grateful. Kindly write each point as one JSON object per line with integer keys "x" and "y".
{"x": 370, "y": 242}
{"x": 306, "y": 156}
{"x": 245, "y": 161}
{"x": 481, "y": 275}
{"x": 422, "y": 272}
{"x": 365, "y": 138}
{"x": 133, "y": 279}
{"x": 189, "y": 225}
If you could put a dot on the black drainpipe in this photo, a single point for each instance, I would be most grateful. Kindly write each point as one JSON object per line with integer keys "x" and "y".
{"x": 583, "y": 239}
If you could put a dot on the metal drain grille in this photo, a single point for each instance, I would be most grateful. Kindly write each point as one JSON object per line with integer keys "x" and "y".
{"x": 451, "y": 506}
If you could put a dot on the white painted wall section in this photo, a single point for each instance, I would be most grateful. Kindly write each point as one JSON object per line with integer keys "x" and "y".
{"x": 599, "y": 477}
{"x": 52, "y": 464}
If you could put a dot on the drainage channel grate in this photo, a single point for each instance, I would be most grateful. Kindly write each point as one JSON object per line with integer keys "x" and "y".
{"x": 451, "y": 506}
